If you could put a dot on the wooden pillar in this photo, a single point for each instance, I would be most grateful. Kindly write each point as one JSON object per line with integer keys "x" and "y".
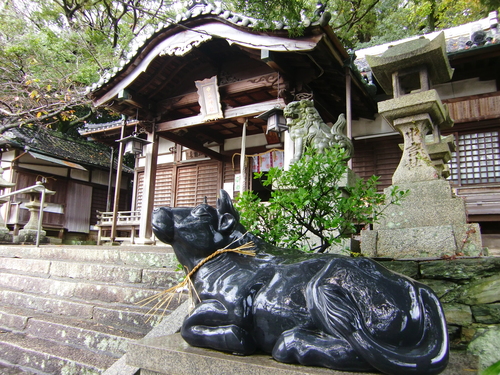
{"x": 348, "y": 108}
{"x": 118, "y": 182}
{"x": 148, "y": 191}
{"x": 243, "y": 170}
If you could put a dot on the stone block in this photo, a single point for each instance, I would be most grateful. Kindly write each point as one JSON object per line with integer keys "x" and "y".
{"x": 485, "y": 345}
{"x": 420, "y": 242}
{"x": 13, "y": 321}
{"x": 428, "y": 203}
{"x": 34, "y": 266}
{"x": 421, "y": 213}
{"x": 407, "y": 267}
{"x": 440, "y": 287}
{"x": 432, "y": 191}
{"x": 457, "y": 314}
{"x": 482, "y": 291}
{"x": 97, "y": 272}
{"x": 369, "y": 243}
{"x": 423, "y": 242}
{"x": 487, "y": 314}
{"x": 468, "y": 333}
{"x": 460, "y": 269}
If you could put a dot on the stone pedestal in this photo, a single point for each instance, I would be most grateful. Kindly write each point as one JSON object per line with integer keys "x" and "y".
{"x": 430, "y": 222}
{"x": 172, "y": 355}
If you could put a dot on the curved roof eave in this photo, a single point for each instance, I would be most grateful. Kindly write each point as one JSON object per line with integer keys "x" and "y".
{"x": 181, "y": 43}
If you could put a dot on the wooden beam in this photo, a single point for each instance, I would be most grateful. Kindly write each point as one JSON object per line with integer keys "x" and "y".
{"x": 265, "y": 80}
{"x": 243, "y": 111}
{"x": 184, "y": 141}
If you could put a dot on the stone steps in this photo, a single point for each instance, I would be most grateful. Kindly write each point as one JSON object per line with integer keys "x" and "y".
{"x": 74, "y": 331}
{"x": 49, "y": 357}
{"x": 74, "y": 310}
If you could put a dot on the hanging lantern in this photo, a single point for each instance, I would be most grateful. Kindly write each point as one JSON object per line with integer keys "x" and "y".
{"x": 133, "y": 144}
{"x": 276, "y": 122}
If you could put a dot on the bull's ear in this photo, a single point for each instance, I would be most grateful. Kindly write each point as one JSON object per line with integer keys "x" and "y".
{"x": 227, "y": 222}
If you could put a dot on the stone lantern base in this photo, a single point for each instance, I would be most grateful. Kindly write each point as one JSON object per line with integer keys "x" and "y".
{"x": 5, "y": 236}
{"x": 430, "y": 222}
{"x": 29, "y": 236}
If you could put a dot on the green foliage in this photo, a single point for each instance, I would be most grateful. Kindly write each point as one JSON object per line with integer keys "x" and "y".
{"x": 494, "y": 369}
{"x": 363, "y": 23}
{"x": 308, "y": 199}
{"x": 273, "y": 12}
{"x": 50, "y": 50}
{"x": 396, "y": 20}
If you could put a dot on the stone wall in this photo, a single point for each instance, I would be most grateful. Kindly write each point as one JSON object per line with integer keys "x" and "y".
{"x": 469, "y": 289}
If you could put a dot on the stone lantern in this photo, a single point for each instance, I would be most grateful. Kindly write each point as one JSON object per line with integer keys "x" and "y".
{"x": 32, "y": 231}
{"x": 431, "y": 221}
{"x": 5, "y": 235}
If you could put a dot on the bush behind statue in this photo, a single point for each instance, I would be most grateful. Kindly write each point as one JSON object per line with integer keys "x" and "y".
{"x": 312, "y": 198}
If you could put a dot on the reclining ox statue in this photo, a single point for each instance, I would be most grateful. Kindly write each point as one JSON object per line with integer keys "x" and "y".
{"x": 327, "y": 310}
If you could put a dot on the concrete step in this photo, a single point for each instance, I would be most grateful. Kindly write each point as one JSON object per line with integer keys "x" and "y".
{"x": 78, "y": 332}
{"x": 9, "y": 369}
{"x": 113, "y": 273}
{"x": 141, "y": 256}
{"x": 77, "y": 288}
{"x": 49, "y": 357}
{"x": 130, "y": 318}
{"x": 74, "y": 310}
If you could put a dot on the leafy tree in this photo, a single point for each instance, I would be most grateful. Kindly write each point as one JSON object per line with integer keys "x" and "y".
{"x": 51, "y": 50}
{"x": 358, "y": 22}
{"x": 309, "y": 199}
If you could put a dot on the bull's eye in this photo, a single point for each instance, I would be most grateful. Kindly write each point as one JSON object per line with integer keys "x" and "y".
{"x": 200, "y": 210}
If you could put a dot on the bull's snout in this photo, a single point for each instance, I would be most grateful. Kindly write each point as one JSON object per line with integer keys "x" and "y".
{"x": 163, "y": 224}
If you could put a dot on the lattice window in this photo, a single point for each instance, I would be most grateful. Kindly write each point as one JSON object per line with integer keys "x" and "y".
{"x": 477, "y": 159}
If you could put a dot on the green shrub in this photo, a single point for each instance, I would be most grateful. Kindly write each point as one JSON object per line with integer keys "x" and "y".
{"x": 307, "y": 199}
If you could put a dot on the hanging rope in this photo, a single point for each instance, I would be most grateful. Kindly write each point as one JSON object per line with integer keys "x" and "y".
{"x": 260, "y": 154}
{"x": 165, "y": 297}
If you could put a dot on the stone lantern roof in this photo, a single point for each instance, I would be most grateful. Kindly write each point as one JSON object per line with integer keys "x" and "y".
{"x": 430, "y": 54}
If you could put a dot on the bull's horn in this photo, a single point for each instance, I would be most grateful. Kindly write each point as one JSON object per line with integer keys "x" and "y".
{"x": 225, "y": 205}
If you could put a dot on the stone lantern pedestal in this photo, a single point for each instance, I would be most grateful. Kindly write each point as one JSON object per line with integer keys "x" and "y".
{"x": 431, "y": 221}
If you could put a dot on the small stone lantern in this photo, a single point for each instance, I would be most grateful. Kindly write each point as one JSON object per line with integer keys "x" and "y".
{"x": 32, "y": 231}
{"x": 5, "y": 236}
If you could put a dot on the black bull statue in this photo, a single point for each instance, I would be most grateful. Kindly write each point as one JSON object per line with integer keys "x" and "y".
{"x": 315, "y": 309}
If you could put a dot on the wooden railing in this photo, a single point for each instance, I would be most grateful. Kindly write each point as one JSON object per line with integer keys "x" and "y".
{"x": 126, "y": 221}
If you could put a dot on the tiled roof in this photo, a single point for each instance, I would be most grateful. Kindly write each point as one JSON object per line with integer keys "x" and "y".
{"x": 458, "y": 39}
{"x": 199, "y": 10}
{"x": 54, "y": 144}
